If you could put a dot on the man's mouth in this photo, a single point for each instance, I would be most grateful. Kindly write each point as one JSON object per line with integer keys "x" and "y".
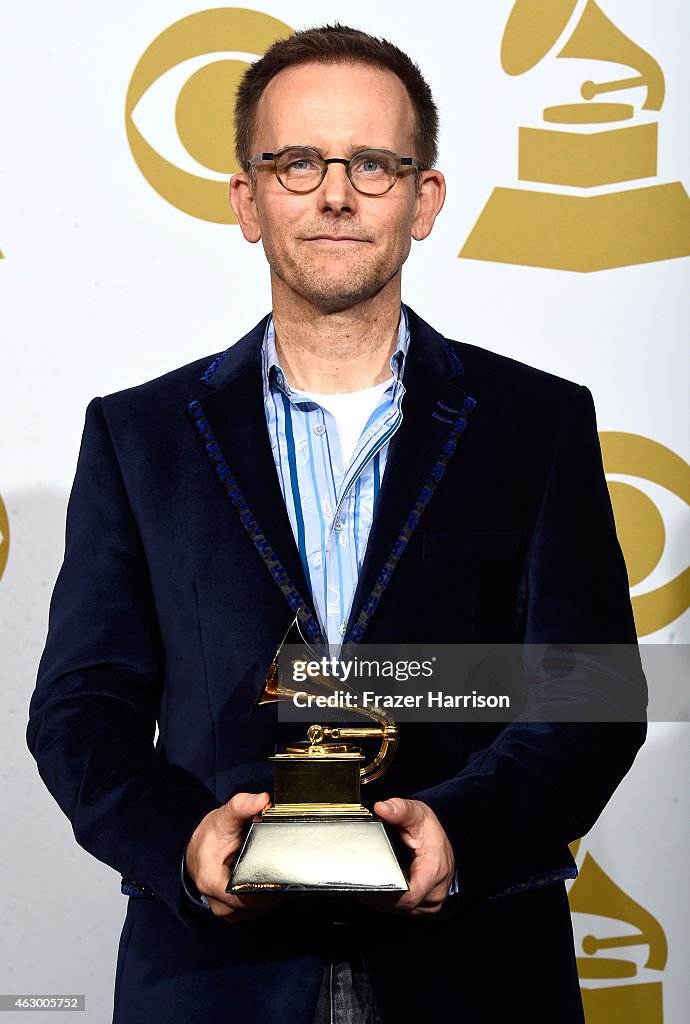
{"x": 334, "y": 238}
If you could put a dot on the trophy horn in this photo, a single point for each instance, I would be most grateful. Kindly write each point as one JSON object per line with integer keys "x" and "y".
{"x": 275, "y": 690}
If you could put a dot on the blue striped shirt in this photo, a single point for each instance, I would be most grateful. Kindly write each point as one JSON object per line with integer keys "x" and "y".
{"x": 330, "y": 504}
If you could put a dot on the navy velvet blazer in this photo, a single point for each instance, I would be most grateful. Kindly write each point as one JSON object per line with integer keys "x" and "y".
{"x": 180, "y": 578}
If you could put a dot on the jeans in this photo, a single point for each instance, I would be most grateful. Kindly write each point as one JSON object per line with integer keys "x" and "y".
{"x": 345, "y": 996}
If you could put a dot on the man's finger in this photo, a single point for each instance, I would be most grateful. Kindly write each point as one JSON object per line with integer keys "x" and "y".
{"x": 218, "y": 907}
{"x": 217, "y": 840}
{"x": 240, "y": 908}
{"x": 399, "y": 811}
{"x": 409, "y": 817}
{"x": 243, "y": 806}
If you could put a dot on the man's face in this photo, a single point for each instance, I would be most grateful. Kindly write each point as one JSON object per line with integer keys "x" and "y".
{"x": 333, "y": 247}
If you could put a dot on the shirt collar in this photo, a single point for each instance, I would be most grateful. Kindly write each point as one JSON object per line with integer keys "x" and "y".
{"x": 274, "y": 377}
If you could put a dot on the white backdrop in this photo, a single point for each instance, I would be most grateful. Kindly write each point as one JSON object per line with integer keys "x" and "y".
{"x": 105, "y": 284}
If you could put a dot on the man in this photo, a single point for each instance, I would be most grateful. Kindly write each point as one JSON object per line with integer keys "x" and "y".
{"x": 439, "y": 517}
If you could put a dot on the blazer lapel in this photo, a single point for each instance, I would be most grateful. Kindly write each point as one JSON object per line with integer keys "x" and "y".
{"x": 231, "y": 421}
{"x": 435, "y": 410}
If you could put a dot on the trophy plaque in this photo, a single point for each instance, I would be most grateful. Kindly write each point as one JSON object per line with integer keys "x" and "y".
{"x": 317, "y": 837}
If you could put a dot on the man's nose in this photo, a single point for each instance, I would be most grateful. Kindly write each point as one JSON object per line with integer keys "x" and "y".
{"x": 336, "y": 191}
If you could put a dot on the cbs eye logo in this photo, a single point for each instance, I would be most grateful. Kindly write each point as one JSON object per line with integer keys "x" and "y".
{"x": 4, "y": 537}
{"x": 653, "y": 544}
{"x": 203, "y": 130}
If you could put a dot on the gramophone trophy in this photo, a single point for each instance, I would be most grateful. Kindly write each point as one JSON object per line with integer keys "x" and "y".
{"x": 317, "y": 836}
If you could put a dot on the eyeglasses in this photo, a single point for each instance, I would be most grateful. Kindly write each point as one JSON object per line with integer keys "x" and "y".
{"x": 373, "y": 172}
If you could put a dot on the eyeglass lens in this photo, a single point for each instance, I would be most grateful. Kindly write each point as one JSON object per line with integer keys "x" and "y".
{"x": 372, "y": 172}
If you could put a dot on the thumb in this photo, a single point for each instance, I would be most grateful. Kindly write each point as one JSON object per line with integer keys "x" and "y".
{"x": 398, "y": 811}
{"x": 241, "y": 808}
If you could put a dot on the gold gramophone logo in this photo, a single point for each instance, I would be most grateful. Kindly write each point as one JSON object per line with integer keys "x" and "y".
{"x": 640, "y": 524}
{"x": 626, "y": 986}
{"x": 4, "y": 537}
{"x": 203, "y": 112}
{"x": 585, "y": 221}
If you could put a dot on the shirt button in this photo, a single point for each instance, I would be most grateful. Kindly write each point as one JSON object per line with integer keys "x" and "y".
{"x": 338, "y": 525}
{"x": 319, "y": 429}
{"x": 342, "y": 627}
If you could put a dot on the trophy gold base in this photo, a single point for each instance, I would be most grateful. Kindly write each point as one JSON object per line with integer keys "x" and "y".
{"x": 317, "y": 854}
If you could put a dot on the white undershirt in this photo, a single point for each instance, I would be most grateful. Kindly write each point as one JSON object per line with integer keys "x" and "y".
{"x": 350, "y": 410}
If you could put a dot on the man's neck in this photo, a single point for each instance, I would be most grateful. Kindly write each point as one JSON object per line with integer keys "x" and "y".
{"x": 331, "y": 353}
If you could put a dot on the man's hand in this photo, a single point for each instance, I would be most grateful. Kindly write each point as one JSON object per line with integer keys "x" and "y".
{"x": 433, "y": 864}
{"x": 212, "y": 851}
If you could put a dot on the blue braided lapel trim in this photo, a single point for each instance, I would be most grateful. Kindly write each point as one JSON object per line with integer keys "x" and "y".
{"x": 251, "y": 525}
{"x": 383, "y": 579}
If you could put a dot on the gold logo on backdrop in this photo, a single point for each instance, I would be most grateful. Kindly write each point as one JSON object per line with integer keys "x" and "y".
{"x": 640, "y": 525}
{"x": 203, "y": 113}
{"x": 594, "y": 894}
{"x": 4, "y": 537}
{"x": 598, "y": 227}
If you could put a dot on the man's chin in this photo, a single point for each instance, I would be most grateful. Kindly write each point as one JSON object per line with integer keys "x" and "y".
{"x": 334, "y": 295}
{"x": 339, "y": 302}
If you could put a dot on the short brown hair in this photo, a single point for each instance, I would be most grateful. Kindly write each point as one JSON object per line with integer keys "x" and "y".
{"x": 333, "y": 44}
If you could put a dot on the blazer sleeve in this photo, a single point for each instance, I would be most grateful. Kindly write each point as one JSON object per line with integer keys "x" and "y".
{"x": 544, "y": 781}
{"x": 93, "y": 714}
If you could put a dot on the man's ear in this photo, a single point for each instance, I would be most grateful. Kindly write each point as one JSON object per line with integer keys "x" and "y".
{"x": 241, "y": 194}
{"x": 430, "y": 198}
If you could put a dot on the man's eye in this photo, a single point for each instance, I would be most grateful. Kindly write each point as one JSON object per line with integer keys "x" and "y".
{"x": 371, "y": 165}
{"x": 368, "y": 166}
{"x": 301, "y": 164}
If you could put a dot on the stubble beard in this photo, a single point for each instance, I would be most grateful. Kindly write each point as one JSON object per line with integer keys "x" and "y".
{"x": 333, "y": 294}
